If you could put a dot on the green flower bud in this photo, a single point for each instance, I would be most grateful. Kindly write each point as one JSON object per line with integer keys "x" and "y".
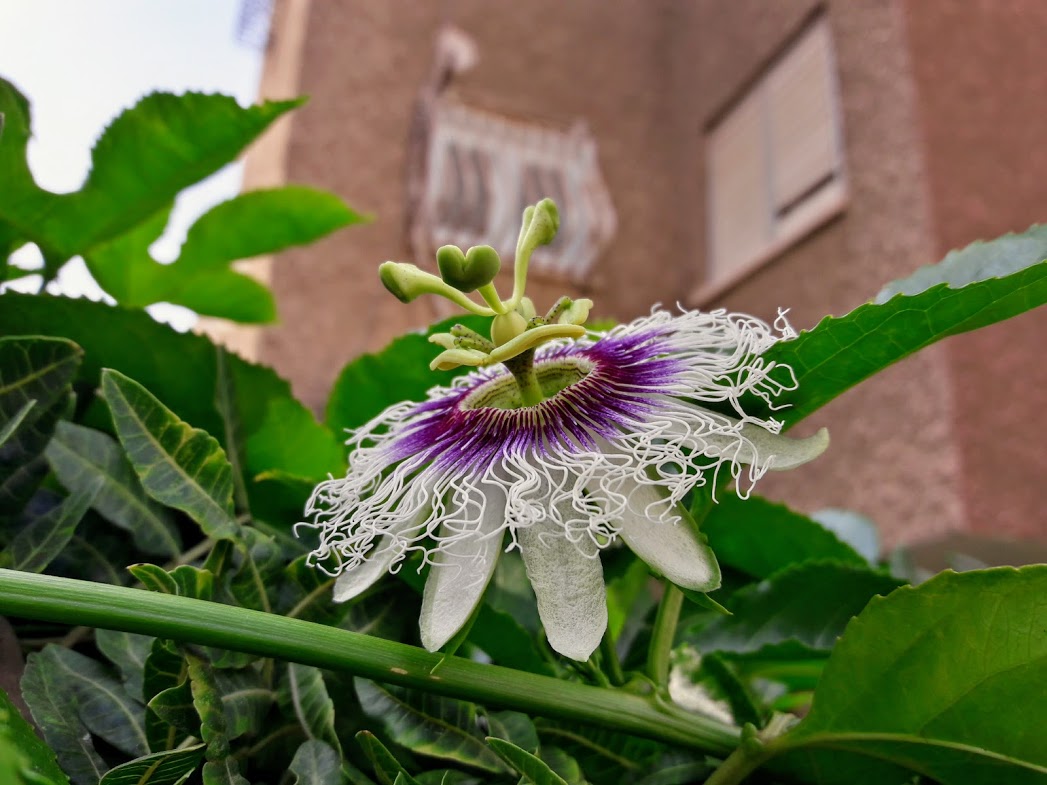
{"x": 406, "y": 282}
{"x": 507, "y": 326}
{"x": 469, "y": 271}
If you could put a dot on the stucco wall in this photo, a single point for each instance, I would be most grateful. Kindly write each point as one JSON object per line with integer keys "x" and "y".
{"x": 983, "y": 100}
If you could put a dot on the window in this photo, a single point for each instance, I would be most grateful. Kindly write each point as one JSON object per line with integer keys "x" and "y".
{"x": 775, "y": 162}
{"x": 482, "y": 170}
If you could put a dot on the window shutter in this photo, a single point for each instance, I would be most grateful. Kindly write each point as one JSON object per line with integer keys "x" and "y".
{"x": 740, "y": 222}
{"x": 800, "y": 119}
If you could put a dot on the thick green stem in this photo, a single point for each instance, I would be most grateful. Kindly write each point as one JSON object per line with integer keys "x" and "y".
{"x": 739, "y": 765}
{"x": 663, "y": 635}
{"x": 609, "y": 656}
{"x": 186, "y": 620}
{"x": 522, "y": 368}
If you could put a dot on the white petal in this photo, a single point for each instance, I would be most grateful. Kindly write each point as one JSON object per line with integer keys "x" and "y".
{"x": 572, "y": 599}
{"x": 771, "y": 450}
{"x": 674, "y": 550}
{"x": 354, "y": 582}
{"x": 461, "y": 571}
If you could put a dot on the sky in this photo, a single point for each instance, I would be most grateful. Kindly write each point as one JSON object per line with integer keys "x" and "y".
{"x": 81, "y": 62}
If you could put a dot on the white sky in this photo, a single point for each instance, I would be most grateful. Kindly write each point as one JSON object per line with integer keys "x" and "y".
{"x": 81, "y": 62}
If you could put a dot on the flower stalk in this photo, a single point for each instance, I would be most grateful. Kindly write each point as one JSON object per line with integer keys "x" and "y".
{"x": 68, "y": 601}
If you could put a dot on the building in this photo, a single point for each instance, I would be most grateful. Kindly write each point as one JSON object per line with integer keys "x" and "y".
{"x": 757, "y": 154}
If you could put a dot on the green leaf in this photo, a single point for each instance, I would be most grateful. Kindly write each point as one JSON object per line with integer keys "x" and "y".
{"x": 842, "y": 351}
{"x": 154, "y": 578}
{"x": 279, "y": 433}
{"x": 100, "y": 701}
{"x": 221, "y": 767}
{"x": 10, "y": 424}
{"x": 175, "y": 706}
{"x": 606, "y": 757}
{"x": 979, "y": 261}
{"x": 513, "y": 726}
{"x": 139, "y": 164}
{"x": 180, "y": 466}
{"x": 386, "y": 767}
{"x": 232, "y": 429}
{"x": 170, "y": 767}
{"x": 24, "y": 758}
{"x": 810, "y": 603}
{"x": 201, "y": 278}
{"x": 563, "y": 765}
{"x": 316, "y": 763}
{"x": 31, "y": 369}
{"x": 533, "y": 768}
{"x": 245, "y": 698}
{"x": 47, "y": 692}
{"x": 39, "y": 543}
{"x": 400, "y": 372}
{"x": 304, "y": 693}
{"x": 165, "y": 669}
{"x": 82, "y": 456}
{"x": 428, "y": 724}
{"x": 128, "y": 652}
{"x": 261, "y": 562}
{"x": 943, "y": 679}
{"x": 760, "y": 537}
{"x": 728, "y": 683}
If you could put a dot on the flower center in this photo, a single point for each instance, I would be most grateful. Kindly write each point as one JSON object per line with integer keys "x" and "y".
{"x": 552, "y": 376}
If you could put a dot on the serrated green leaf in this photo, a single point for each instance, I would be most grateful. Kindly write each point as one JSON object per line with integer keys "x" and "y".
{"x": 760, "y": 537}
{"x": 143, "y": 159}
{"x": 943, "y": 679}
{"x": 46, "y": 691}
{"x": 154, "y": 578}
{"x": 81, "y": 456}
{"x": 280, "y": 434}
{"x": 428, "y": 724}
{"x": 31, "y": 369}
{"x": 175, "y": 707}
{"x": 386, "y": 767}
{"x": 34, "y": 547}
{"x": 221, "y": 767}
{"x": 979, "y": 261}
{"x": 165, "y": 669}
{"x": 24, "y": 758}
{"x": 170, "y": 767}
{"x": 400, "y": 372}
{"x": 842, "y": 351}
{"x": 178, "y": 465}
{"x": 100, "y": 701}
{"x": 304, "y": 693}
{"x": 128, "y": 652}
{"x": 316, "y": 763}
{"x": 533, "y": 768}
{"x": 810, "y": 603}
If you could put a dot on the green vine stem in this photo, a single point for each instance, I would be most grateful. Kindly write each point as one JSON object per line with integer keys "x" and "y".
{"x": 662, "y": 635}
{"x": 68, "y": 601}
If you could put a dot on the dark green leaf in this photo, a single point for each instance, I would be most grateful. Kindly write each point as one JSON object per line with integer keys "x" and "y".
{"x": 944, "y": 679}
{"x": 175, "y": 706}
{"x": 744, "y": 706}
{"x": 180, "y": 369}
{"x": 142, "y": 160}
{"x": 513, "y": 726}
{"x": 81, "y": 456}
{"x": 400, "y": 372}
{"x": 428, "y": 724}
{"x": 533, "y": 768}
{"x": 606, "y": 757}
{"x": 677, "y": 767}
{"x": 232, "y": 429}
{"x": 304, "y": 693}
{"x": 170, "y": 767}
{"x": 760, "y": 537}
{"x": 261, "y": 562}
{"x": 46, "y": 690}
{"x": 221, "y": 767}
{"x": 316, "y": 763}
{"x": 386, "y": 767}
{"x": 24, "y": 758}
{"x": 11, "y": 423}
{"x": 563, "y": 765}
{"x": 842, "y": 351}
{"x": 810, "y": 603}
{"x": 128, "y": 652}
{"x": 246, "y": 700}
{"x": 180, "y": 466}
{"x": 98, "y": 698}
{"x": 37, "y": 545}
{"x": 31, "y": 369}
{"x": 165, "y": 669}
